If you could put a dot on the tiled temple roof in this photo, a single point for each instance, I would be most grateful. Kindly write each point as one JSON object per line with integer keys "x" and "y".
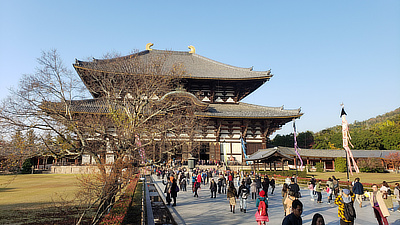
{"x": 319, "y": 153}
{"x": 241, "y": 110}
{"x": 245, "y": 110}
{"x": 196, "y": 66}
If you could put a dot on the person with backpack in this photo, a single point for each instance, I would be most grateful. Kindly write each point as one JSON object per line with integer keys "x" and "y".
{"x": 262, "y": 208}
{"x": 336, "y": 188}
{"x": 294, "y": 188}
{"x": 346, "y": 211}
{"x": 243, "y": 194}
{"x": 294, "y": 218}
{"x": 358, "y": 189}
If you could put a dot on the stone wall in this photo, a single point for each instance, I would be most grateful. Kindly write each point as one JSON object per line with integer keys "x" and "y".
{"x": 73, "y": 169}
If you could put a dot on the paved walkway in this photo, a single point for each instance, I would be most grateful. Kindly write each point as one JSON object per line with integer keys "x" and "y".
{"x": 206, "y": 210}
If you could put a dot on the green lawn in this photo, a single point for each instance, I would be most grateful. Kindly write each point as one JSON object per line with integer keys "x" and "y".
{"x": 32, "y": 197}
{"x": 377, "y": 178}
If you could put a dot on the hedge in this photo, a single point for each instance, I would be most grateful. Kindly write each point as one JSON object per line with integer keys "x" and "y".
{"x": 120, "y": 208}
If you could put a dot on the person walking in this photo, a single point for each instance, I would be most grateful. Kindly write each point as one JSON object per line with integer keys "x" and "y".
{"x": 243, "y": 193}
{"x": 329, "y": 189}
{"x": 253, "y": 190}
{"x": 196, "y": 187}
{"x": 294, "y": 218}
{"x": 231, "y": 195}
{"x": 387, "y": 198}
{"x": 358, "y": 190}
{"x": 346, "y": 211}
{"x": 318, "y": 190}
{"x": 313, "y": 181}
{"x": 265, "y": 185}
{"x": 397, "y": 194}
{"x": 311, "y": 190}
{"x": 378, "y": 205}
{"x": 258, "y": 184}
{"x": 213, "y": 188}
{"x": 248, "y": 181}
{"x": 171, "y": 190}
{"x": 272, "y": 185}
{"x": 294, "y": 188}
{"x": 220, "y": 180}
{"x": 336, "y": 186}
{"x": 288, "y": 203}
{"x": 285, "y": 192}
{"x": 262, "y": 208}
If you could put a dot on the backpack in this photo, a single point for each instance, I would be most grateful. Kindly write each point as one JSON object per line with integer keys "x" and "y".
{"x": 245, "y": 193}
{"x": 262, "y": 208}
{"x": 349, "y": 213}
{"x": 335, "y": 183}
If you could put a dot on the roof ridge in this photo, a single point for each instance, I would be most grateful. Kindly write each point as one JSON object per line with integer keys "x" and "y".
{"x": 230, "y": 66}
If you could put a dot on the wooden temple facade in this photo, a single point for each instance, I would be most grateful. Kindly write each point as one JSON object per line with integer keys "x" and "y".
{"x": 221, "y": 87}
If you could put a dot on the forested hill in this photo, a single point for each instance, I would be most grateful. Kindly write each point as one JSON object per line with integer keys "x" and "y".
{"x": 381, "y": 132}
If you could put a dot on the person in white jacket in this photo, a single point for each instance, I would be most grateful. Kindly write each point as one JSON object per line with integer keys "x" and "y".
{"x": 397, "y": 194}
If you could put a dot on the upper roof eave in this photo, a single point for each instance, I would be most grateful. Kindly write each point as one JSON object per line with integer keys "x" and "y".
{"x": 196, "y": 66}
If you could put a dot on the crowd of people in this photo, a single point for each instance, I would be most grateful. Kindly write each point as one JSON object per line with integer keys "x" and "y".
{"x": 258, "y": 187}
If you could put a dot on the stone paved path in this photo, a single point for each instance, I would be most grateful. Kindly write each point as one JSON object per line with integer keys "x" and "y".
{"x": 206, "y": 210}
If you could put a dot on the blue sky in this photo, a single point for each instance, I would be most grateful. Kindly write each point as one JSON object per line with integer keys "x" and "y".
{"x": 322, "y": 53}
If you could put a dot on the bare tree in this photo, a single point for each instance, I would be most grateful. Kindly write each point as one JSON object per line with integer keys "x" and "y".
{"x": 138, "y": 104}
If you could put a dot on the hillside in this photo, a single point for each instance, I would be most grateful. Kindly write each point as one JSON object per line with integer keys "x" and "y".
{"x": 381, "y": 132}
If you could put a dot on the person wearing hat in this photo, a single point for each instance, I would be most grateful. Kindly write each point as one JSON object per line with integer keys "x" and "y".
{"x": 259, "y": 218}
{"x": 346, "y": 211}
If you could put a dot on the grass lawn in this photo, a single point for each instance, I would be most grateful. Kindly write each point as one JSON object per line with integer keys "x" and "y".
{"x": 26, "y": 199}
{"x": 377, "y": 178}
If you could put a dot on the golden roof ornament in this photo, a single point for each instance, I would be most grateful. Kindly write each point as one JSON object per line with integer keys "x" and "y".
{"x": 148, "y": 46}
{"x": 192, "y": 49}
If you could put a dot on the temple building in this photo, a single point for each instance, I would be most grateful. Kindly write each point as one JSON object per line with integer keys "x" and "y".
{"x": 221, "y": 88}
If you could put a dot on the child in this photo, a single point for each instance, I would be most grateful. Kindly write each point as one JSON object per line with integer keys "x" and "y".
{"x": 329, "y": 193}
{"x": 311, "y": 189}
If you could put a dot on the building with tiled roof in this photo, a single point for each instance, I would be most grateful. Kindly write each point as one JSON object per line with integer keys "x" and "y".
{"x": 281, "y": 155}
{"x": 216, "y": 86}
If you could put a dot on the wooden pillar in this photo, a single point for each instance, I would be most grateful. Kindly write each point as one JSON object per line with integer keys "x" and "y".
{"x": 283, "y": 166}
{"x": 265, "y": 166}
{"x": 38, "y": 162}
{"x": 295, "y": 163}
{"x": 274, "y": 166}
{"x": 333, "y": 164}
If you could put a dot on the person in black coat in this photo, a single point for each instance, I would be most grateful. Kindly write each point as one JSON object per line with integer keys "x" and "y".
{"x": 213, "y": 188}
{"x": 358, "y": 189}
{"x": 265, "y": 185}
{"x": 258, "y": 184}
{"x": 272, "y": 185}
{"x": 171, "y": 189}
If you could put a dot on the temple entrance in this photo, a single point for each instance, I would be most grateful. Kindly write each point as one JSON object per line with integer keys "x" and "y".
{"x": 204, "y": 153}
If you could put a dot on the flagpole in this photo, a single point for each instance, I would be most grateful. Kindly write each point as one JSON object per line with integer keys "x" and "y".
{"x": 347, "y": 168}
